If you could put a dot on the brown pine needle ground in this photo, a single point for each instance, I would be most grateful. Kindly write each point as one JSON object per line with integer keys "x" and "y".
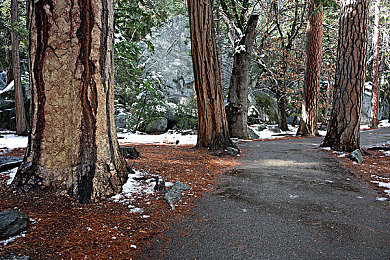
{"x": 63, "y": 229}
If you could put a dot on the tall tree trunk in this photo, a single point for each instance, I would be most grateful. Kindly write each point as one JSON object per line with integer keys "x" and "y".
{"x": 311, "y": 87}
{"x": 237, "y": 106}
{"x": 327, "y": 100}
{"x": 282, "y": 107}
{"x": 375, "y": 73}
{"x": 213, "y": 131}
{"x": 21, "y": 123}
{"x": 344, "y": 126}
{"x": 72, "y": 146}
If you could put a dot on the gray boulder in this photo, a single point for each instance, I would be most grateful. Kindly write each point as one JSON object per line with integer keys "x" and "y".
{"x": 356, "y": 156}
{"x": 274, "y": 128}
{"x": 129, "y": 152}
{"x": 252, "y": 134}
{"x": 158, "y": 125}
{"x": 12, "y": 222}
{"x": 174, "y": 194}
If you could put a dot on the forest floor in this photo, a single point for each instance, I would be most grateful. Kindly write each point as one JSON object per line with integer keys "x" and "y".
{"x": 63, "y": 229}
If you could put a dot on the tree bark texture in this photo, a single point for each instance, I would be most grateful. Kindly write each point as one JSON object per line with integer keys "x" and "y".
{"x": 311, "y": 87}
{"x": 213, "y": 130}
{"x": 343, "y": 129}
{"x": 72, "y": 145}
{"x": 237, "y": 106}
{"x": 282, "y": 107}
{"x": 21, "y": 123}
{"x": 375, "y": 73}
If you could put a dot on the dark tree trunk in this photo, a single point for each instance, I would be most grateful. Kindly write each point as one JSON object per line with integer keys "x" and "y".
{"x": 311, "y": 87}
{"x": 237, "y": 106}
{"x": 282, "y": 107}
{"x": 21, "y": 123}
{"x": 344, "y": 126}
{"x": 213, "y": 131}
{"x": 375, "y": 73}
{"x": 72, "y": 146}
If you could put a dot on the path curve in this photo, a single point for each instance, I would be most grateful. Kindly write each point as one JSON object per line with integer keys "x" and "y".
{"x": 287, "y": 200}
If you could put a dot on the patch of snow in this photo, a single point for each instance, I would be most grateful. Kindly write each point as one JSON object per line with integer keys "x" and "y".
{"x": 385, "y": 185}
{"x": 382, "y": 199}
{"x": 12, "y": 141}
{"x": 8, "y": 88}
{"x": 240, "y": 49}
{"x": 293, "y": 196}
{"x": 136, "y": 210}
{"x": 89, "y": 229}
{"x": 342, "y": 155}
{"x": 329, "y": 181}
{"x": 326, "y": 148}
{"x": 244, "y": 210}
{"x": 359, "y": 197}
{"x": 145, "y": 216}
{"x": 384, "y": 123}
{"x": 133, "y": 246}
{"x": 387, "y": 153}
{"x": 169, "y": 137}
{"x": 11, "y": 174}
{"x": 321, "y": 132}
{"x": 11, "y": 239}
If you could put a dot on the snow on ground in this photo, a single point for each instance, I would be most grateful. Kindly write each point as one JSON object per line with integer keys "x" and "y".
{"x": 166, "y": 138}
{"x": 383, "y": 123}
{"x": 11, "y": 141}
{"x": 11, "y": 174}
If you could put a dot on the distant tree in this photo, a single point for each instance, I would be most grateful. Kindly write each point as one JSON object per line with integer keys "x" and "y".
{"x": 311, "y": 87}
{"x": 21, "y": 122}
{"x": 375, "y": 73}
{"x": 72, "y": 146}
{"x": 344, "y": 126}
{"x": 213, "y": 131}
{"x": 242, "y": 33}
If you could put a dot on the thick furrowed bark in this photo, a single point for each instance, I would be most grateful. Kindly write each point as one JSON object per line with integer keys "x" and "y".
{"x": 344, "y": 126}
{"x": 73, "y": 146}
{"x": 308, "y": 123}
{"x": 213, "y": 131}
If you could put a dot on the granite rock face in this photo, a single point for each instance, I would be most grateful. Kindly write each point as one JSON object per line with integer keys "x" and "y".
{"x": 12, "y": 222}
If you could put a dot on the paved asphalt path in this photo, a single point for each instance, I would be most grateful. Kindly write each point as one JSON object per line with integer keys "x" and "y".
{"x": 287, "y": 200}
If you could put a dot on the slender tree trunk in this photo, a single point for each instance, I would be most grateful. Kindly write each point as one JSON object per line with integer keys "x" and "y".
{"x": 237, "y": 106}
{"x": 282, "y": 107}
{"x": 375, "y": 73}
{"x": 327, "y": 100}
{"x": 213, "y": 131}
{"x": 311, "y": 87}
{"x": 344, "y": 126}
{"x": 21, "y": 123}
{"x": 72, "y": 146}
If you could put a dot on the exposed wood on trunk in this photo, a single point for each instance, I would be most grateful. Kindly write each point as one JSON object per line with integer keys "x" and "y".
{"x": 375, "y": 73}
{"x": 344, "y": 126}
{"x": 213, "y": 131}
{"x": 72, "y": 146}
{"x": 311, "y": 87}
{"x": 237, "y": 106}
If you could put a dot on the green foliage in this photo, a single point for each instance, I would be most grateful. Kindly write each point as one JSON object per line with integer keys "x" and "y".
{"x": 187, "y": 115}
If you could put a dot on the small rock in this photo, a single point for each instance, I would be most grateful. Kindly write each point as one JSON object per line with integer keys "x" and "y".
{"x": 252, "y": 134}
{"x": 232, "y": 151}
{"x": 356, "y": 156}
{"x": 174, "y": 194}
{"x": 12, "y": 222}
{"x": 274, "y": 128}
{"x": 129, "y": 152}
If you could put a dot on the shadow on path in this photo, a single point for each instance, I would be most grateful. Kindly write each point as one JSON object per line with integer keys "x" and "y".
{"x": 287, "y": 200}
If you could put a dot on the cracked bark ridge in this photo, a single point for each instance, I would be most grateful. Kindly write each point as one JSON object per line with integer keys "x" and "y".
{"x": 72, "y": 146}
{"x": 344, "y": 125}
{"x": 308, "y": 122}
{"x": 237, "y": 106}
{"x": 213, "y": 132}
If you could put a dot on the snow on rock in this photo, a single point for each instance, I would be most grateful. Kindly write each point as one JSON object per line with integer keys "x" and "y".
{"x": 11, "y": 174}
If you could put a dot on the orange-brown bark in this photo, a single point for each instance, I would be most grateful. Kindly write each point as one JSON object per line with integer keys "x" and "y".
{"x": 344, "y": 126}
{"x": 213, "y": 131}
{"x": 73, "y": 147}
{"x": 308, "y": 123}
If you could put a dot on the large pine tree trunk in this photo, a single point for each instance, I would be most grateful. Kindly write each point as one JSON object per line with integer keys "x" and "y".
{"x": 344, "y": 126}
{"x": 21, "y": 123}
{"x": 311, "y": 87}
{"x": 72, "y": 145}
{"x": 213, "y": 131}
{"x": 237, "y": 106}
{"x": 375, "y": 73}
